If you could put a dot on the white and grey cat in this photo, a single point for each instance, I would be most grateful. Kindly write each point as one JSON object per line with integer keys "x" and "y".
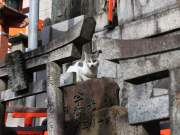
{"x": 86, "y": 69}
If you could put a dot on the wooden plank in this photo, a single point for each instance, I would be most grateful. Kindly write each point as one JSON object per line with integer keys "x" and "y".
{"x": 37, "y": 88}
{"x": 114, "y": 49}
{"x": 21, "y": 109}
{"x": 55, "y": 100}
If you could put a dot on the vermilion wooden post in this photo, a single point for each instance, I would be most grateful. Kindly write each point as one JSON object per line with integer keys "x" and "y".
{"x": 3, "y": 40}
{"x": 110, "y": 10}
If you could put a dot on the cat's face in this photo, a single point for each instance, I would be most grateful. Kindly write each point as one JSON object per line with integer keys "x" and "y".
{"x": 92, "y": 60}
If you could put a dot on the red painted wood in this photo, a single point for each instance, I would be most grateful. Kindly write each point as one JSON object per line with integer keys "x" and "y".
{"x": 28, "y": 115}
{"x": 110, "y": 10}
{"x": 165, "y": 132}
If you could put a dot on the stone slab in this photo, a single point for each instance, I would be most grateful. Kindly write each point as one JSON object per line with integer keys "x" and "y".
{"x": 68, "y": 52}
{"x": 85, "y": 97}
{"x": 132, "y": 10}
{"x": 16, "y": 71}
{"x": 141, "y": 111}
{"x": 78, "y": 30}
{"x": 132, "y": 68}
{"x": 67, "y": 79}
{"x": 36, "y": 88}
{"x": 152, "y": 25}
{"x": 159, "y": 92}
{"x": 108, "y": 121}
{"x": 114, "y": 49}
{"x": 107, "y": 69}
{"x": 142, "y": 106}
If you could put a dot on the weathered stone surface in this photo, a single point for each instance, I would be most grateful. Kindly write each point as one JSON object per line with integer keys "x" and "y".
{"x": 113, "y": 49}
{"x": 78, "y": 30}
{"x": 55, "y": 100}
{"x": 125, "y": 11}
{"x": 3, "y": 71}
{"x": 85, "y": 97}
{"x": 159, "y": 92}
{"x": 67, "y": 79}
{"x": 45, "y": 35}
{"x": 45, "y": 10}
{"x": 152, "y": 25}
{"x": 3, "y": 85}
{"x": 131, "y": 10}
{"x": 36, "y": 88}
{"x": 96, "y": 8}
{"x": 16, "y": 71}
{"x": 148, "y": 110}
{"x": 110, "y": 121}
{"x": 132, "y": 68}
{"x": 114, "y": 34}
{"x": 142, "y": 107}
{"x": 68, "y": 52}
{"x": 107, "y": 69}
{"x": 175, "y": 101}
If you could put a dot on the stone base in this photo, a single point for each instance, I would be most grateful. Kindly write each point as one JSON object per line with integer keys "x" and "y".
{"x": 109, "y": 121}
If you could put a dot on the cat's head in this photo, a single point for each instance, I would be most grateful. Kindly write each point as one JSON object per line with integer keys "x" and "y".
{"x": 92, "y": 59}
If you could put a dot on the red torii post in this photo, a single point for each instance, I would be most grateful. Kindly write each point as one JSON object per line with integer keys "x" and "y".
{"x": 111, "y": 7}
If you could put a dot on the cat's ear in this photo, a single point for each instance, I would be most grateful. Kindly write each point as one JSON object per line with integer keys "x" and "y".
{"x": 85, "y": 56}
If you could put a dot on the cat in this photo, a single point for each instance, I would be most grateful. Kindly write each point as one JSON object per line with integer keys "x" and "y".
{"x": 86, "y": 69}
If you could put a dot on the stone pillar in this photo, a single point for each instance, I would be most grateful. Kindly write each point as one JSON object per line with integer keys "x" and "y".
{"x": 55, "y": 100}
{"x": 175, "y": 101}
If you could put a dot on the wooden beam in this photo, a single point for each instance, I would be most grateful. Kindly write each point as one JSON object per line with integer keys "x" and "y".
{"x": 55, "y": 100}
{"x": 36, "y": 88}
